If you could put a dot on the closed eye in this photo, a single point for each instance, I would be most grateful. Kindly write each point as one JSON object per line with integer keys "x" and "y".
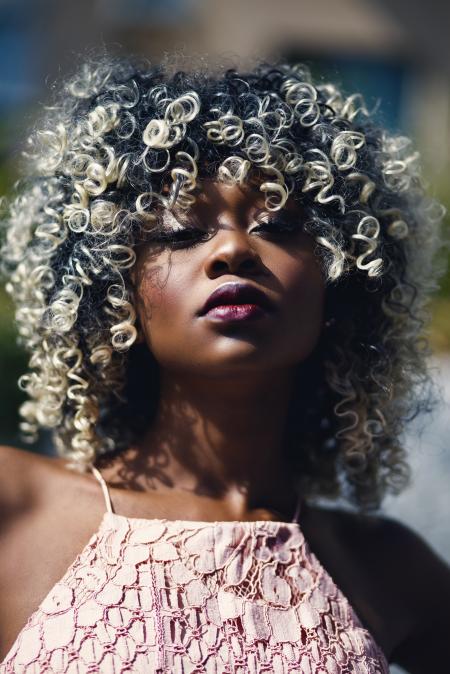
{"x": 278, "y": 226}
{"x": 187, "y": 237}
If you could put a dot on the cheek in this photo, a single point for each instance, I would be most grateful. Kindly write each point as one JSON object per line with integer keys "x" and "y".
{"x": 150, "y": 290}
{"x": 166, "y": 306}
{"x": 303, "y": 285}
{"x": 160, "y": 295}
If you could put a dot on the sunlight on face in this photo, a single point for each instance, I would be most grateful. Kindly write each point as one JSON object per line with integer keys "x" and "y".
{"x": 228, "y": 236}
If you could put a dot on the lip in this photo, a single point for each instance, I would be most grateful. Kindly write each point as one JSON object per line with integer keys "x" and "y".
{"x": 230, "y": 296}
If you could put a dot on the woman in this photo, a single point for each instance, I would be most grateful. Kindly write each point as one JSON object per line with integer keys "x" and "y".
{"x": 222, "y": 281}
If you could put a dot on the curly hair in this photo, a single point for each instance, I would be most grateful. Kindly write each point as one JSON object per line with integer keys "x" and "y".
{"x": 124, "y": 141}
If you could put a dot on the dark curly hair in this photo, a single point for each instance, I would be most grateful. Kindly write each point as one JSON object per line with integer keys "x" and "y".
{"x": 126, "y": 140}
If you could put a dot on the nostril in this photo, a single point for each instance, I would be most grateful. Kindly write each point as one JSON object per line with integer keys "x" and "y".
{"x": 220, "y": 266}
{"x": 233, "y": 265}
{"x": 231, "y": 254}
{"x": 249, "y": 262}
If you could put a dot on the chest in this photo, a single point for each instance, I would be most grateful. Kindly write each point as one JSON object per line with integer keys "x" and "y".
{"x": 191, "y": 590}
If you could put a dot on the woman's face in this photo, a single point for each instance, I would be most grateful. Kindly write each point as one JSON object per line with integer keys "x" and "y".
{"x": 174, "y": 279}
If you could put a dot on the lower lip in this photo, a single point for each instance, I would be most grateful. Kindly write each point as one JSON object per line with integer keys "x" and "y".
{"x": 236, "y": 312}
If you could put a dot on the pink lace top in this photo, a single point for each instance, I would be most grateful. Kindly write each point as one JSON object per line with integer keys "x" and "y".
{"x": 156, "y": 595}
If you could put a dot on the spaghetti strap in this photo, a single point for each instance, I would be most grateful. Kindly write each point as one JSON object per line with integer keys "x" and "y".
{"x": 297, "y": 509}
{"x": 104, "y": 487}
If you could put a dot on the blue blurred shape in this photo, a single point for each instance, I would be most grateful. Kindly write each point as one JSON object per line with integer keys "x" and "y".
{"x": 132, "y": 12}
{"x": 18, "y": 57}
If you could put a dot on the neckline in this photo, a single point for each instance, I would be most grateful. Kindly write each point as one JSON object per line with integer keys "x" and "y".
{"x": 300, "y": 507}
{"x": 108, "y": 514}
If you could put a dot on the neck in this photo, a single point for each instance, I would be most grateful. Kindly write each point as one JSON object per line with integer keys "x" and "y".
{"x": 223, "y": 439}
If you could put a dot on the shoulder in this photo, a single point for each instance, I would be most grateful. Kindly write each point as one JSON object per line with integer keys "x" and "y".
{"x": 385, "y": 564}
{"x": 412, "y": 561}
{"x": 417, "y": 560}
{"x": 26, "y": 480}
{"x": 416, "y": 582}
{"x": 47, "y": 514}
{"x": 423, "y": 574}
{"x": 16, "y": 480}
{"x": 364, "y": 534}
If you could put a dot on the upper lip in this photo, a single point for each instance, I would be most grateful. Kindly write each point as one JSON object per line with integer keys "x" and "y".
{"x": 237, "y": 293}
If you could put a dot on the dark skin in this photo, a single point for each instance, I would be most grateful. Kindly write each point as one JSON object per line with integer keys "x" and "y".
{"x": 215, "y": 449}
{"x": 227, "y": 394}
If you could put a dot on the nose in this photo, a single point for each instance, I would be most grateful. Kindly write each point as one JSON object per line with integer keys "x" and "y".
{"x": 231, "y": 253}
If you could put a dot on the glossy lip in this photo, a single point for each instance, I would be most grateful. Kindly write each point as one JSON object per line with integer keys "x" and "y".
{"x": 235, "y": 294}
{"x": 236, "y": 312}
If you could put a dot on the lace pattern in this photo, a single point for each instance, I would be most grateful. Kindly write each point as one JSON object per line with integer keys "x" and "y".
{"x": 195, "y": 597}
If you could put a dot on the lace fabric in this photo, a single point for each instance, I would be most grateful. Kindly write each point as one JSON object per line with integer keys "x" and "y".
{"x": 195, "y": 597}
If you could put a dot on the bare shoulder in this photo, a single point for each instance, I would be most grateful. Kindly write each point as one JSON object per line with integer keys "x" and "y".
{"x": 17, "y": 477}
{"x": 13, "y": 460}
{"x": 414, "y": 583}
{"x": 407, "y": 556}
{"x": 416, "y": 560}
{"x": 420, "y": 572}
{"x": 48, "y": 514}
{"x": 27, "y": 483}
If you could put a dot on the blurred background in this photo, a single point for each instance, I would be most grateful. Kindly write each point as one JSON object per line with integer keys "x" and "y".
{"x": 396, "y": 52}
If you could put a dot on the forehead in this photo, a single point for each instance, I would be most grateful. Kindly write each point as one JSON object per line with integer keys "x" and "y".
{"x": 215, "y": 196}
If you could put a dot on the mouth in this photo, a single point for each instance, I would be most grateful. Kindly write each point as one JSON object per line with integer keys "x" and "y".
{"x": 237, "y": 301}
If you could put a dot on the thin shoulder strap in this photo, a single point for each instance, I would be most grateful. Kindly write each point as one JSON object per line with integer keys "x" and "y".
{"x": 297, "y": 508}
{"x": 104, "y": 487}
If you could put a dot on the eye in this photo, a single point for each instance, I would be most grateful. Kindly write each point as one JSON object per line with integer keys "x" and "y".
{"x": 278, "y": 226}
{"x": 189, "y": 237}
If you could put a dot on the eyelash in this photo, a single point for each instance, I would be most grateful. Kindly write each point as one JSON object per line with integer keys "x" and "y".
{"x": 276, "y": 226}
